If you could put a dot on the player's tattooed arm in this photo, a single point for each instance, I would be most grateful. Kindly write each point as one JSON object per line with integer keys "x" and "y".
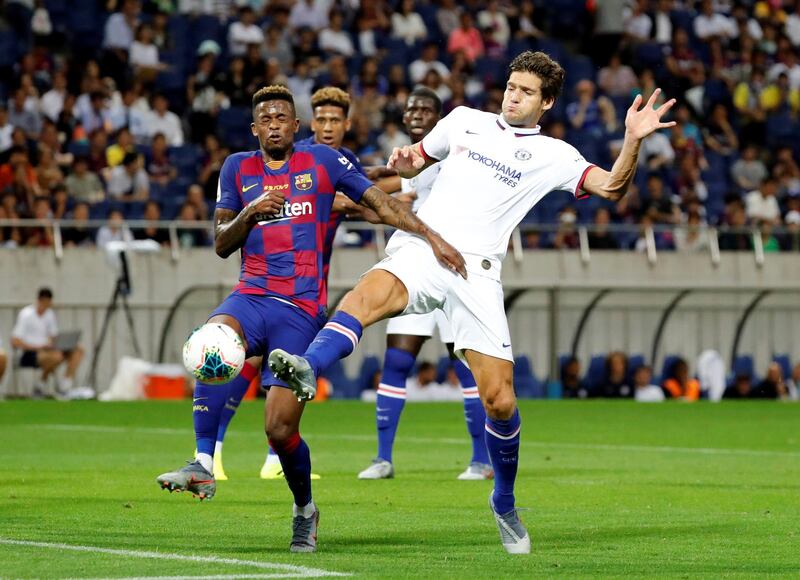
{"x": 231, "y": 228}
{"x": 397, "y": 214}
{"x": 638, "y": 125}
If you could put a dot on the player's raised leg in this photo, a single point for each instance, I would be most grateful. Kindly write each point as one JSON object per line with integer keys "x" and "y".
{"x": 398, "y": 362}
{"x": 494, "y": 378}
{"x": 282, "y": 421}
{"x": 379, "y": 294}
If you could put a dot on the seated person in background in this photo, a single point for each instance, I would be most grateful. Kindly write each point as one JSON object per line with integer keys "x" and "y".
{"x": 114, "y": 231}
{"x": 644, "y": 389}
{"x": 159, "y": 167}
{"x": 740, "y": 389}
{"x": 615, "y": 383}
{"x": 79, "y": 234}
{"x": 128, "y": 182}
{"x": 571, "y": 385}
{"x": 773, "y": 385}
{"x": 160, "y": 234}
{"x": 680, "y": 385}
{"x": 3, "y": 361}
{"x": 424, "y": 387}
{"x": 33, "y": 334}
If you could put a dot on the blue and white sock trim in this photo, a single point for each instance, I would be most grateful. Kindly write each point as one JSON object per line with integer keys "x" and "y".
{"x": 470, "y": 392}
{"x": 341, "y": 329}
{"x": 494, "y": 433}
{"x": 390, "y": 391}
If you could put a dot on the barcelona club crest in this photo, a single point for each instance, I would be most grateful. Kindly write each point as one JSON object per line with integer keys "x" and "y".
{"x": 303, "y": 181}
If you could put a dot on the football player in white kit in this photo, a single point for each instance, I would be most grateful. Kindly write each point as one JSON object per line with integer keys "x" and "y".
{"x": 405, "y": 335}
{"x": 495, "y": 168}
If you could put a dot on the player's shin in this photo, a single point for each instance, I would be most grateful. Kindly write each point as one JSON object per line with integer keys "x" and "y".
{"x": 207, "y": 405}
{"x": 296, "y": 462}
{"x": 502, "y": 441}
{"x": 474, "y": 414}
{"x": 397, "y": 365}
{"x": 337, "y": 339}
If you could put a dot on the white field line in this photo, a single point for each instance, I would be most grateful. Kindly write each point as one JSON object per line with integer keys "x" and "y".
{"x": 448, "y": 441}
{"x": 193, "y": 577}
{"x": 281, "y": 570}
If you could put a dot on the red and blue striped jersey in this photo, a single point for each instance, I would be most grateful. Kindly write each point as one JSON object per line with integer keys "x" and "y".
{"x": 284, "y": 255}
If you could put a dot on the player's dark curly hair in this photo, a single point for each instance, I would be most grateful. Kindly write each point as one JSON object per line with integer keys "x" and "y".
{"x": 273, "y": 93}
{"x": 331, "y": 97}
{"x": 544, "y": 67}
{"x": 426, "y": 93}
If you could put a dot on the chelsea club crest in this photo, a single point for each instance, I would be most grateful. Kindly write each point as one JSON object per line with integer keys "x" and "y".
{"x": 522, "y": 154}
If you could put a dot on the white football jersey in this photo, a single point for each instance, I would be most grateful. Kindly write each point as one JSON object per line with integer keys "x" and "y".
{"x": 491, "y": 175}
{"x": 421, "y": 185}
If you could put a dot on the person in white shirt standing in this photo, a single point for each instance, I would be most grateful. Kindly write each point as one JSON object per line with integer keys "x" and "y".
{"x": 34, "y": 333}
{"x": 495, "y": 168}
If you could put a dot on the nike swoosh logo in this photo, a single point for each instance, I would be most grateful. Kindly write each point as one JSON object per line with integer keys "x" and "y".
{"x": 506, "y": 345}
{"x": 199, "y": 399}
{"x": 248, "y": 188}
{"x": 379, "y": 410}
{"x": 507, "y": 452}
{"x": 472, "y": 132}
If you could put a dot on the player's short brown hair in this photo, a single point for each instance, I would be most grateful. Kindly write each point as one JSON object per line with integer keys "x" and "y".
{"x": 544, "y": 67}
{"x": 333, "y": 97}
{"x": 273, "y": 93}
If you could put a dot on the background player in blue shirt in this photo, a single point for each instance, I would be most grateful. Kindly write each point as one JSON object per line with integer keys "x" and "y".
{"x": 275, "y": 205}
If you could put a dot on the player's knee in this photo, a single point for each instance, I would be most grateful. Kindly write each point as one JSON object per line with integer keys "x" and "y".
{"x": 280, "y": 433}
{"x": 499, "y": 400}
{"x": 399, "y": 361}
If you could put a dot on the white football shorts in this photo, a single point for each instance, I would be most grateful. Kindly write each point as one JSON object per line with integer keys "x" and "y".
{"x": 474, "y": 307}
{"x": 421, "y": 325}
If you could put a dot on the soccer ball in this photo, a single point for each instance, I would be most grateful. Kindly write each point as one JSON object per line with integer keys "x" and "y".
{"x": 214, "y": 354}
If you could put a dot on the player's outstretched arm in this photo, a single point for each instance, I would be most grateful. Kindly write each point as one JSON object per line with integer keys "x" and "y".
{"x": 232, "y": 228}
{"x": 399, "y": 215}
{"x": 638, "y": 125}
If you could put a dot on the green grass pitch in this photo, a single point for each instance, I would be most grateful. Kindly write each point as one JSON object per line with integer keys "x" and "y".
{"x": 614, "y": 489}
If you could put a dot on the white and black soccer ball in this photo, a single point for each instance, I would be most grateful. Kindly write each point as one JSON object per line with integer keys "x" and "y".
{"x": 214, "y": 354}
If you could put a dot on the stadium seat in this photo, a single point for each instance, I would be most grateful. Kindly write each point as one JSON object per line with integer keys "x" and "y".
{"x": 370, "y": 365}
{"x": 785, "y": 363}
{"x": 743, "y": 365}
{"x": 526, "y": 384}
{"x": 343, "y": 386}
{"x": 634, "y": 362}
{"x": 666, "y": 368}
{"x": 596, "y": 372}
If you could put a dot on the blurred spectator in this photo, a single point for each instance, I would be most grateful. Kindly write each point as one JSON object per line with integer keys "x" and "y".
{"x": 793, "y": 382}
{"x": 3, "y": 360}
{"x": 334, "y": 39}
{"x": 749, "y": 171}
{"x": 196, "y": 197}
{"x": 162, "y": 120}
{"x": 276, "y": 46}
{"x": 20, "y": 116}
{"x": 739, "y": 239}
{"x": 526, "y": 23}
{"x": 495, "y": 22}
{"x": 692, "y": 236}
{"x": 792, "y": 26}
{"x": 740, "y": 389}
{"x": 190, "y": 237}
{"x": 718, "y": 132}
{"x": 466, "y": 38}
{"x": 681, "y": 60}
{"x": 658, "y": 203}
{"x": 152, "y": 212}
{"x": 243, "y": 32}
{"x": 644, "y": 389}
{"x": 617, "y": 79}
{"x": 19, "y": 177}
{"x": 159, "y": 168}
{"x": 572, "y": 386}
{"x": 392, "y": 137}
{"x": 204, "y": 98}
{"x": 429, "y": 59}
{"x": 615, "y": 381}
{"x": 679, "y": 385}
{"x": 566, "y": 237}
{"x": 608, "y": 28}
{"x": 423, "y": 386}
{"x": 60, "y": 201}
{"x": 787, "y": 172}
{"x": 124, "y": 144}
{"x": 94, "y": 114}
{"x": 408, "y": 24}
{"x": 78, "y": 234}
{"x": 599, "y": 237}
{"x": 48, "y": 174}
{"x": 709, "y": 24}
{"x": 49, "y": 139}
{"x": 144, "y": 57}
{"x": 773, "y": 386}
{"x": 769, "y": 242}
{"x": 656, "y": 151}
{"x": 662, "y": 22}
{"x": 309, "y": 13}
{"x": 447, "y": 16}
{"x": 584, "y": 114}
{"x": 6, "y": 129}
{"x": 128, "y": 182}
{"x": 40, "y": 236}
{"x": 52, "y": 101}
{"x": 120, "y": 26}
{"x": 84, "y": 185}
{"x": 638, "y": 24}
{"x": 761, "y": 203}
{"x": 115, "y": 230}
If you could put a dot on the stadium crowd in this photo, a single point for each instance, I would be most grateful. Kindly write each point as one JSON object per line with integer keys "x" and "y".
{"x": 127, "y": 109}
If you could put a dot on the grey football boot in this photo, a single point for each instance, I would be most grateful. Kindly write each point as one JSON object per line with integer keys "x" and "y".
{"x": 192, "y": 477}
{"x": 304, "y": 531}
{"x": 513, "y": 534}
{"x": 296, "y": 371}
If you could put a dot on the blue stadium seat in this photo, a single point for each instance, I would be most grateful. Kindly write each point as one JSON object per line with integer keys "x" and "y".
{"x": 743, "y": 365}
{"x": 785, "y": 363}
{"x": 634, "y": 362}
{"x": 343, "y": 386}
{"x": 596, "y": 372}
{"x": 526, "y": 384}
{"x": 369, "y": 367}
{"x": 234, "y": 128}
{"x": 666, "y": 368}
